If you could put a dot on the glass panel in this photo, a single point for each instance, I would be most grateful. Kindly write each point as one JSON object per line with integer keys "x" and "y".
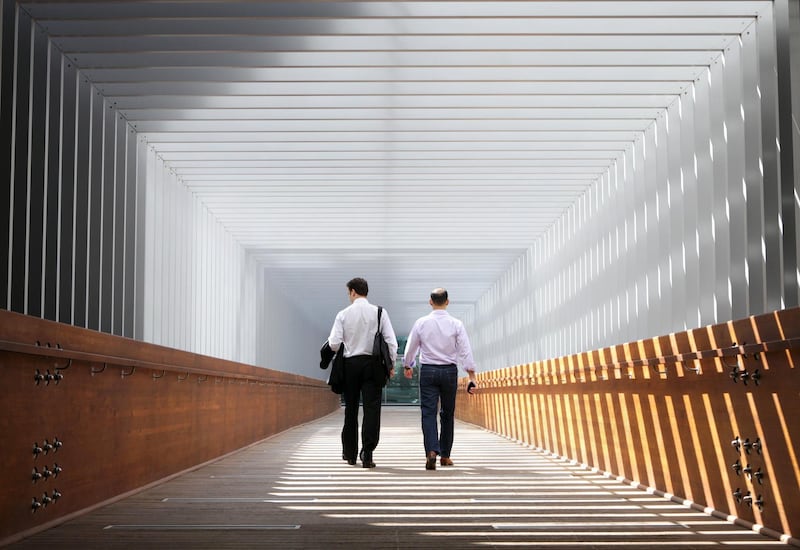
{"x": 400, "y": 390}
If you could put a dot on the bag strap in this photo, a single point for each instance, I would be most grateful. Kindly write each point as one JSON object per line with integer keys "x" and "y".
{"x": 380, "y": 309}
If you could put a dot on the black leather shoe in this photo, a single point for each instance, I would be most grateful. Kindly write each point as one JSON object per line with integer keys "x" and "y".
{"x": 366, "y": 459}
{"x": 350, "y": 461}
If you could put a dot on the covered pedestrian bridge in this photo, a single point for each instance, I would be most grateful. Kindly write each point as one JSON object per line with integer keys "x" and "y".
{"x": 609, "y": 191}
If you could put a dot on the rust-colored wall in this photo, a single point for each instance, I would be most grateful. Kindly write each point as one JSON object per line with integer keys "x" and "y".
{"x": 122, "y": 431}
{"x": 612, "y": 409}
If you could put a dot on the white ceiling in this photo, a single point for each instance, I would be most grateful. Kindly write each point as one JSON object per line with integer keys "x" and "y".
{"x": 417, "y": 144}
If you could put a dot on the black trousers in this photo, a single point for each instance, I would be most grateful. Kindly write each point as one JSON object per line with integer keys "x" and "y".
{"x": 359, "y": 382}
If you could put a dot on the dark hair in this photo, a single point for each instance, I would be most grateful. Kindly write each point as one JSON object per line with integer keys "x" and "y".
{"x": 439, "y": 296}
{"x": 359, "y": 285}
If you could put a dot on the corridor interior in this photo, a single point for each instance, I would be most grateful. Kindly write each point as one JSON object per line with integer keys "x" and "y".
{"x": 292, "y": 490}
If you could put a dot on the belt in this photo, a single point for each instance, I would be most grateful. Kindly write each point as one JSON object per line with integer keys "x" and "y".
{"x": 439, "y": 366}
{"x": 358, "y": 359}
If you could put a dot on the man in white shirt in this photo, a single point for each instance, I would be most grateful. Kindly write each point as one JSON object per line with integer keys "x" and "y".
{"x": 443, "y": 345}
{"x": 355, "y": 328}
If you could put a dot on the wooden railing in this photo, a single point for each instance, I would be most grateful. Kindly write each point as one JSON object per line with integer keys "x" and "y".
{"x": 87, "y": 417}
{"x": 708, "y": 417}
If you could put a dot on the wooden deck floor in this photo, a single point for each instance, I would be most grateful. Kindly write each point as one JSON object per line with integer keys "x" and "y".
{"x": 294, "y": 491}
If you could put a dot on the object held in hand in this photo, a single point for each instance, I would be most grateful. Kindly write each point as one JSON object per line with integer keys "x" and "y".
{"x": 471, "y": 387}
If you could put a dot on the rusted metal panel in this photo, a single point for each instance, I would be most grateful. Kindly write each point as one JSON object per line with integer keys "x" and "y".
{"x": 707, "y": 415}
{"x": 125, "y": 414}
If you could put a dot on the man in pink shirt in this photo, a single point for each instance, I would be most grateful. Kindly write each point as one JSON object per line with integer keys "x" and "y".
{"x": 442, "y": 343}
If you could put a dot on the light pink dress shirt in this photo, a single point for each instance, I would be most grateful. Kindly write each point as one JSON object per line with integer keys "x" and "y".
{"x": 441, "y": 340}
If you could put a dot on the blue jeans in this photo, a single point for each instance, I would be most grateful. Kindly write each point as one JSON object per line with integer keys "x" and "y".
{"x": 438, "y": 384}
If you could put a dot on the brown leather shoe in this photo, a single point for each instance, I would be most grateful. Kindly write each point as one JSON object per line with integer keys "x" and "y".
{"x": 445, "y": 461}
{"x": 430, "y": 463}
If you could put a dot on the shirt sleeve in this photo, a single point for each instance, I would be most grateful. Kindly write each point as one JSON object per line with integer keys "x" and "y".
{"x": 412, "y": 347}
{"x": 337, "y": 332}
{"x": 388, "y": 335}
{"x": 464, "y": 349}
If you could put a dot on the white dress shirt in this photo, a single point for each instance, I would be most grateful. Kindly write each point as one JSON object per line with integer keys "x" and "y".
{"x": 355, "y": 327}
{"x": 441, "y": 340}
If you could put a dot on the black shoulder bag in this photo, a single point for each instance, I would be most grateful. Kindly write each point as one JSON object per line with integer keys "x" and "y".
{"x": 382, "y": 359}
